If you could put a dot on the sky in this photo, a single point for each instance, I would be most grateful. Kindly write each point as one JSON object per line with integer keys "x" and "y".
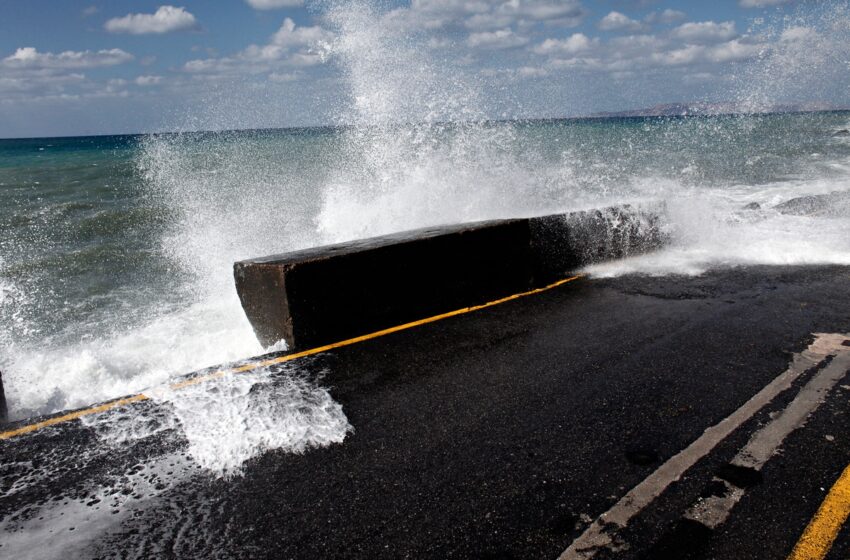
{"x": 77, "y": 68}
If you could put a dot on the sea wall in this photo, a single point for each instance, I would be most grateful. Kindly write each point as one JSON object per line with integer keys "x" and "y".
{"x": 4, "y": 411}
{"x": 318, "y": 296}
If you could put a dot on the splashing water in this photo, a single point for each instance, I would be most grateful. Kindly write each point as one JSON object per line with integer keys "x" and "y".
{"x": 417, "y": 137}
{"x": 119, "y": 275}
{"x": 126, "y": 461}
{"x": 253, "y": 413}
{"x": 807, "y": 55}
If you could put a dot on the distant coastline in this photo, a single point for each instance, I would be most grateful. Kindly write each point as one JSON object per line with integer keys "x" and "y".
{"x": 722, "y": 108}
{"x": 668, "y": 110}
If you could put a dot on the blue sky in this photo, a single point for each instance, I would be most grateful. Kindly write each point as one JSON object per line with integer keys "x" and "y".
{"x": 70, "y": 68}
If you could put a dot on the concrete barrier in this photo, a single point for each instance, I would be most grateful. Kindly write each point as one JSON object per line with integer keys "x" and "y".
{"x": 4, "y": 411}
{"x": 321, "y": 295}
{"x": 317, "y": 296}
{"x": 562, "y": 243}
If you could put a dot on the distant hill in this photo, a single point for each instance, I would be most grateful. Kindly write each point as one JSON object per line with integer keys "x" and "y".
{"x": 724, "y": 108}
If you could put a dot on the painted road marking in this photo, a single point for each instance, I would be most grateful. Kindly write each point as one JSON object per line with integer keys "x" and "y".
{"x": 818, "y": 537}
{"x": 714, "y": 510}
{"x": 273, "y": 361}
{"x": 602, "y": 533}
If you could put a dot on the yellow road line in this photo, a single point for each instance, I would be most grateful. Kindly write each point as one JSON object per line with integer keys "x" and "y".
{"x": 72, "y": 416}
{"x": 818, "y": 537}
{"x": 279, "y": 360}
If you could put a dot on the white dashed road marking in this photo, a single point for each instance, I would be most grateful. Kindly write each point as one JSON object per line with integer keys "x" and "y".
{"x": 602, "y": 533}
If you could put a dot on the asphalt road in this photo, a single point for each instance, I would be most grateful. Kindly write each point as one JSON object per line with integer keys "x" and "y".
{"x": 501, "y": 433}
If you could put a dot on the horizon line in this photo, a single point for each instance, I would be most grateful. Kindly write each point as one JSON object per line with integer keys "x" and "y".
{"x": 602, "y": 115}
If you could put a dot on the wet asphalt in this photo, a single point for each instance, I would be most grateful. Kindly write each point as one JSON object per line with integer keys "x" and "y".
{"x": 501, "y": 433}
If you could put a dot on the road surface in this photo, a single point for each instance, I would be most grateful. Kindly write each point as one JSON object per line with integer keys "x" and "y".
{"x": 504, "y": 433}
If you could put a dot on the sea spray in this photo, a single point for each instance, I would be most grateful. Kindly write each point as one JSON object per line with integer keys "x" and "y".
{"x": 799, "y": 54}
{"x": 232, "y": 419}
{"x": 415, "y": 135}
{"x": 223, "y": 422}
{"x": 115, "y": 263}
{"x": 123, "y": 460}
{"x": 116, "y": 268}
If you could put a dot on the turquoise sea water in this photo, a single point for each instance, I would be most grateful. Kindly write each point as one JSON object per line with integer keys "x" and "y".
{"x": 116, "y": 251}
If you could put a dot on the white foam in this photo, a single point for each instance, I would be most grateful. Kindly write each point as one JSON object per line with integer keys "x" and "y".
{"x": 236, "y": 196}
{"x": 235, "y": 418}
{"x": 231, "y": 419}
{"x": 711, "y": 231}
{"x": 48, "y": 378}
{"x": 206, "y": 430}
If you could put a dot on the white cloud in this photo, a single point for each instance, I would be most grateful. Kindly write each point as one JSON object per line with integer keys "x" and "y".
{"x": 38, "y": 82}
{"x": 489, "y": 20}
{"x": 637, "y": 43}
{"x": 733, "y": 51}
{"x": 532, "y": 72}
{"x": 165, "y": 20}
{"x": 564, "y": 13}
{"x": 289, "y": 46}
{"x": 486, "y": 15}
{"x": 700, "y": 77}
{"x": 208, "y": 65}
{"x": 261, "y": 53}
{"x": 105, "y": 93}
{"x": 115, "y": 86}
{"x": 501, "y": 39}
{"x": 691, "y": 49}
{"x": 705, "y": 32}
{"x": 665, "y": 17}
{"x": 285, "y": 39}
{"x": 29, "y": 57}
{"x": 677, "y": 57}
{"x": 148, "y": 80}
{"x": 616, "y": 21}
{"x": 281, "y": 77}
{"x": 633, "y": 50}
{"x": 730, "y": 51}
{"x": 798, "y": 33}
{"x": 575, "y": 43}
{"x": 90, "y": 11}
{"x": 434, "y": 14}
{"x": 302, "y": 59}
{"x": 28, "y": 74}
{"x": 761, "y": 3}
{"x": 274, "y": 4}
{"x": 545, "y": 10}
{"x": 576, "y": 62}
{"x": 291, "y": 36}
{"x": 439, "y": 43}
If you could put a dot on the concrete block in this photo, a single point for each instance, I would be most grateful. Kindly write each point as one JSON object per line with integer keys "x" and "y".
{"x": 318, "y": 296}
{"x": 4, "y": 411}
{"x": 322, "y": 295}
{"x": 562, "y": 243}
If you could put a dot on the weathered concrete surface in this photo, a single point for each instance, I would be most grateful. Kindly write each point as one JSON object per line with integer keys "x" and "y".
{"x": 562, "y": 243}
{"x": 496, "y": 434}
{"x": 318, "y": 296}
{"x": 326, "y": 294}
{"x": 4, "y": 411}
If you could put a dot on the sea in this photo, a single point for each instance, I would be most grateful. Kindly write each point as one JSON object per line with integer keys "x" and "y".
{"x": 116, "y": 252}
